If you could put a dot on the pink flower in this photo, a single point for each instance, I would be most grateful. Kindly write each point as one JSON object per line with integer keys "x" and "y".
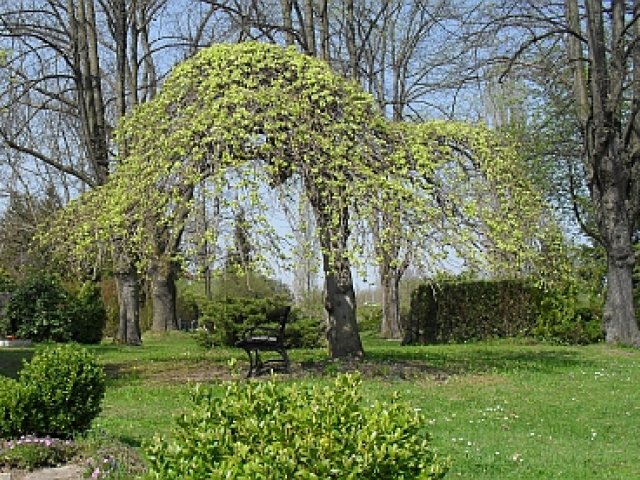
{"x": 96, "y": 473}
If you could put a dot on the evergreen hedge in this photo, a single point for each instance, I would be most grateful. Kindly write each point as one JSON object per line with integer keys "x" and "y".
{"x": 461, "y": 311}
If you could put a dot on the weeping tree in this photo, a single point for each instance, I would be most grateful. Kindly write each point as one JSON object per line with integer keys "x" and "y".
{"x": 455, "y": 190}
{"x": 261, "y": 115}
{"x": 252, "y": 115}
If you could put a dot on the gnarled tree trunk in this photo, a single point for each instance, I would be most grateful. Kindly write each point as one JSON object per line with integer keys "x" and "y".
{"x": 128, "y": 286}
{"x": 340, "y": 298}
{"x": 340, "y": 304}
{"x": 163, "y": 275}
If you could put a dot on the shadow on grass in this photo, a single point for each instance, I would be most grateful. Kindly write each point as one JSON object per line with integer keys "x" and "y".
{"x": 11, "y": 360}
{"x": 480, "y": 359}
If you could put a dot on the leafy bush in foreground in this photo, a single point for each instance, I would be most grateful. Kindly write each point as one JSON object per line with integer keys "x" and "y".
{"x": 58, "y": 394}
{"x": 266, "y": 430}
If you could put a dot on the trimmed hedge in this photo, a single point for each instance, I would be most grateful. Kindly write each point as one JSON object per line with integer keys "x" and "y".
{"x": 478, "y": 310}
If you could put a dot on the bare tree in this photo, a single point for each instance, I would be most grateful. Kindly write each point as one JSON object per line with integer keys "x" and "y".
{"x": 82, "y": 65}
{"x": 601, "y": 69}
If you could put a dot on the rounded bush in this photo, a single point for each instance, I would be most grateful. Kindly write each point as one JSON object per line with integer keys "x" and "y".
{"x": 270, "y": 430}
{"x": 65, "y": 387}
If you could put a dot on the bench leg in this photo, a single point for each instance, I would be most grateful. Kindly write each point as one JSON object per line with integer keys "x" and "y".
{"x": 285, "y": 359}
{"x": 257, "y": 366}
{"x": 255, "y": 363}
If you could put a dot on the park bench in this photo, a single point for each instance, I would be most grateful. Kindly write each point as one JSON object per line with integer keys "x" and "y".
{"x": 264, "y": 338}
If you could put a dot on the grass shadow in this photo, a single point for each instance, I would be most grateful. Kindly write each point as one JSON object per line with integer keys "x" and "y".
{"x": 485, "y": 358}
{"x": 11, "y": 360}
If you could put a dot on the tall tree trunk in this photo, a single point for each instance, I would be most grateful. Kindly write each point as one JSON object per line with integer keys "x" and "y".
{"x": 609, "y": 196}
{"x": 620, "y": 323}
{"x": 340, "y": 304}
{"x": 609, "y": 153}
{"x": 128, "y": 286}
{"x": 340, "y": 298}
{"x": 163, "y": 275}
{"x": 391, "y": 326}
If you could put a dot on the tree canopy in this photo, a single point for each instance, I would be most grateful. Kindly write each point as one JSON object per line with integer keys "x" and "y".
{"x": 248, "y": 115}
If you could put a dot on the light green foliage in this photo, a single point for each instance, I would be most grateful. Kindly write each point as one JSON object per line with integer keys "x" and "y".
{"x": 461, "y": 187}
{"x": 239, "y": 117}
{"x": 267, "y": 430}
{"x": 12, "y": 407}
{"x": 235, "y": 116}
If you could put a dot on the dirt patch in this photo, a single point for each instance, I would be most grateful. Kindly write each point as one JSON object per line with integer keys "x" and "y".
{"x": 206, "y": 372}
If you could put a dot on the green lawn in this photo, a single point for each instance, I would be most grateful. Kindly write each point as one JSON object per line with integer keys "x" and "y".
{"x": 502, "y": 410}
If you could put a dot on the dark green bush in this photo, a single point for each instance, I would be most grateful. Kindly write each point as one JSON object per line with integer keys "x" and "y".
{"x": 64, "y": 388}
{"x": 41, "y": 309}
{"x": 273, "y": 431}
{"x": 304, "y": 331}
{"x": 89, "y": 315}
{"x": 569, "y": 317}
{"x": 472, "y": 310}
{"x": 477, "y": 310}
{"x": 223, "y": 322}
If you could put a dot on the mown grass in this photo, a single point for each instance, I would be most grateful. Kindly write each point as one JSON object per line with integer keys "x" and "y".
{"x": 500, "y": 410}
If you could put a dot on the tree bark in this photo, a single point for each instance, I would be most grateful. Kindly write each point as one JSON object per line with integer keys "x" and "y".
{"x": 610, "y": 153}
{"x": 340, "y": 303}
{"x": 391, "y": 326}
{"x": 340, "y": 298}
{"x": 164, "y": 295}
{"x": 620, "y": 323}
{"x": 127, "y": 284}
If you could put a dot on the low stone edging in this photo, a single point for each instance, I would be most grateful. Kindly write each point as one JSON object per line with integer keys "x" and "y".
{"x": 14, "y": 343}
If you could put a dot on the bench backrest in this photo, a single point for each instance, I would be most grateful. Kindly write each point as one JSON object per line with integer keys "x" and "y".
{"x": 279, "y": 316}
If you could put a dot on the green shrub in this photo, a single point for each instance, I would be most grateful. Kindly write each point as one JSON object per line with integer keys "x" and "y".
{"x": 369, "y": 318}
{"x": 7, "y": 283}
{"x": 40, "y": 309}
{"x": 269, "y": 430}
{"x": 13, "y": 398}
{"x": 64, "y": 388}
{"x": 474, "y": 310}
{"x": 225, "y": 320}
{"x": 304, "y": 331}
{"x": 455, "y": 311}
{"x": 569, "y": 317}
{"x": 89, "y": 316}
